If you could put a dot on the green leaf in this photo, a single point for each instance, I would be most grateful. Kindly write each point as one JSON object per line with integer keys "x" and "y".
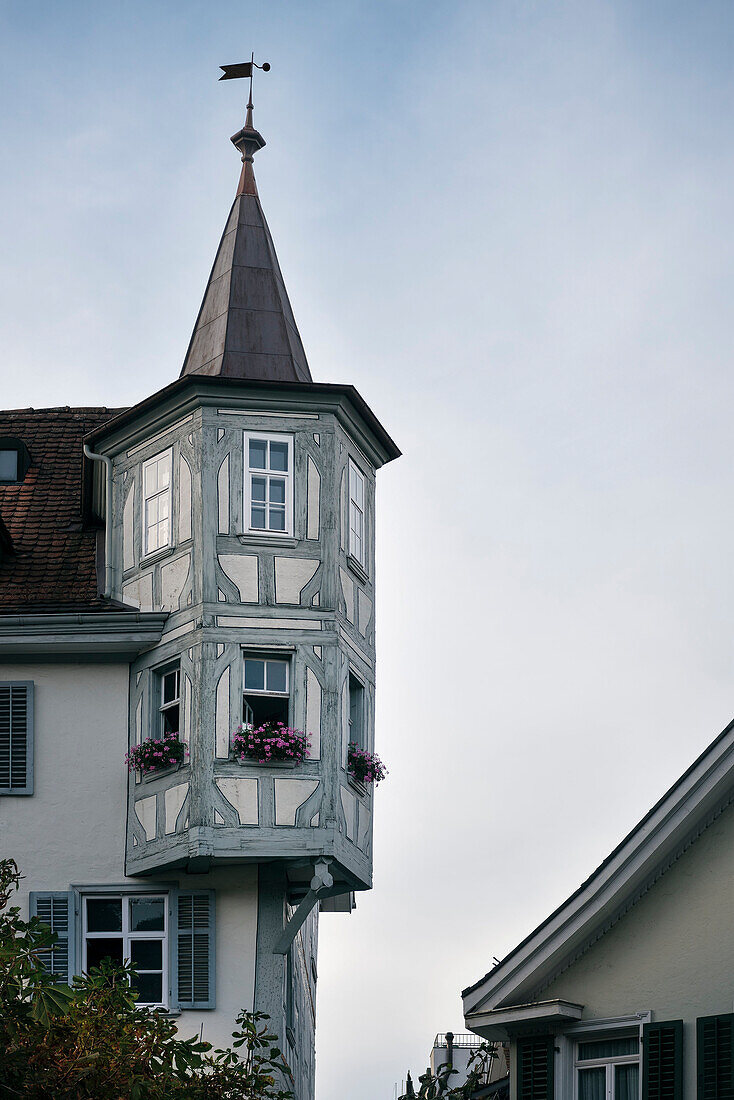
{"x": 50, "y": 1001}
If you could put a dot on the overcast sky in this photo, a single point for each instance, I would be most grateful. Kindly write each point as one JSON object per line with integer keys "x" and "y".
{"x": 509, "y": 225}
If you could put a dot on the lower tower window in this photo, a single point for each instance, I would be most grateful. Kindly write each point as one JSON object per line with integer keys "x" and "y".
{"x": 266, "y": 693}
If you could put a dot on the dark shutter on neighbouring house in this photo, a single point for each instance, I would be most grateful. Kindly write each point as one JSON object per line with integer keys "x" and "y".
{"x": 195, "y": 948}
{"x": 662, "y": 1061}
{"x": 535, "y": 1068}
{"x": 56, "y": 910}
{"x": 16, "y": 738}
{"x": 715, "y": 1049}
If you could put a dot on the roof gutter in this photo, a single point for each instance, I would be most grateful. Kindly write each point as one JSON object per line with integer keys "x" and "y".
{"x": 107, "y": 519}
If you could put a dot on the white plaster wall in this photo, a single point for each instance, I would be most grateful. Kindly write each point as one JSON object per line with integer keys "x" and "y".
{"x": 671, "y": 953}
{"x": 72, "y": 829}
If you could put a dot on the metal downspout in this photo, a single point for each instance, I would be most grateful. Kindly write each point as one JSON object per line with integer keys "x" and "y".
{"x": 107, "y": 520}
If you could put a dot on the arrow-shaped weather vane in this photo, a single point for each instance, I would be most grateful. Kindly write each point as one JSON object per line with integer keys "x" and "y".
{"x": 245, "y": 69}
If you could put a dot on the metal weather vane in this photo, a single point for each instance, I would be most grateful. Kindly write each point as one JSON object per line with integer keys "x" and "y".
{"x": 244, "y": 69}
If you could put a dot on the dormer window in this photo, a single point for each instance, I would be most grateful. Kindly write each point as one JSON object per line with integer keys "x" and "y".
{"x": 14, "y": 461}
{"x": 269, "y": 483}
{"x": 157, "y": 503}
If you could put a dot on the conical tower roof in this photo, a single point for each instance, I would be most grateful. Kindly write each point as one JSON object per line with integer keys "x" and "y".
{"x": 246, "y": 327}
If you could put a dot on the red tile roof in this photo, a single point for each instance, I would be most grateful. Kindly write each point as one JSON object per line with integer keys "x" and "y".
{"x": 53, "y": 562}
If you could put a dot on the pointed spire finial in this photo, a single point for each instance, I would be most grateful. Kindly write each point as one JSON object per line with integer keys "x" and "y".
{"x": 247, "y": 140}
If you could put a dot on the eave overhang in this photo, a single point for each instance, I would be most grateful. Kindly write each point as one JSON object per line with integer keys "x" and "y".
{"x": 671, "y": 826}
{"x": 190, "y": 391}
{"x": 95, "y": 635}
{"x": 504, "y": 1023}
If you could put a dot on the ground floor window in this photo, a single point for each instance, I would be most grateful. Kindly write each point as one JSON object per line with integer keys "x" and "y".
{"x": 608, "y": 1069}
{"x": 129, "y": 928}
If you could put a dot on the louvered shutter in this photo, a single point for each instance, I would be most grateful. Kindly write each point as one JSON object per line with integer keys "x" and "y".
{"x": 662, "y": 1061}
{"x": 715, "y": 1043}
{"x": 195, "y": 948}
{"x": 535, "y": 1068}
{"x": 57, "y": 911}
{"x": 16, "y": 738}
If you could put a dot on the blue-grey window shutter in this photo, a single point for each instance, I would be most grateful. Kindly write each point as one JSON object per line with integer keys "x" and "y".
{"x": 16, "y": 737}
{"x": 715, "y": 1057}
{"x": 195, "y": 927}
{"x": 662, "y": 1061}
{"x": 57, "y": 911}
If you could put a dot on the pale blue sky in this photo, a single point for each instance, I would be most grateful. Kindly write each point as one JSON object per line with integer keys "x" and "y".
{"x": 509, "y": 224}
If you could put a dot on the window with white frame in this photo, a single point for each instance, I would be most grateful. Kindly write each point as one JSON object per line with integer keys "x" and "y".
{"x": 266, "y": 690}
{"x": 608, "y": 1069}
{"x": 356, "y": 514}
{"x": 157, "y": 502}
{"x": 269, "y": 483}
{"x": 129, "y": 928}
{"x": 168, "y": 686}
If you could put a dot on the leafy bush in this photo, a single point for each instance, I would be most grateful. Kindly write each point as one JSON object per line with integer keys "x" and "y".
{"x": 93, "y": 1042}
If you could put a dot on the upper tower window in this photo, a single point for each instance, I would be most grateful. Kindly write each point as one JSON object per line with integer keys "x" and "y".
{"x": 356, "y": 513}
{"x": 269, "y": 483}
{"x": 157, "y": 502}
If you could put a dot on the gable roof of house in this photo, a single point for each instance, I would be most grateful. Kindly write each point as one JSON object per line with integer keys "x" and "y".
{"x": 246, "y": 328}
{"x": 657, "y": 841}
{"x": 52, "y": 561}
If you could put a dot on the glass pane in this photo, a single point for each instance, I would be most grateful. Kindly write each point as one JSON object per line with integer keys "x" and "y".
{"x": 626, "y": 1082}
{"x": 593, "y": 1084}
{"x": 609, "y": 1048}
{"x": 151, "y": 479}
{"x": 171, "y": 719}
{"x": 257, "y": 519}
{"x": 146, "y": 914}
{"x": 356, "y": 487}
{"x": 277, "y": 518}
{"x": 104, "y": 948}
{"x": 163, "y": 507}
{"x": 170, "y": 686}
{"x": 277, "y": 491}
{"x": 163, "y": 533}
{"x": 255, "y": 675}
{"x": 277, "y": 676}
{"x": 278, "y": 456}
{"x": 164, "y": 472}
{"x": 149, "y": 988}
{"x": 147, "y": 954}
{"x": 258, "y": 489}
{"x": 104, "y": 914}
{"x": 8, "y": 465}
{"x": 151, "y": 512}
{"x": 257, "y": 454}
{"x": 151, "y": 542}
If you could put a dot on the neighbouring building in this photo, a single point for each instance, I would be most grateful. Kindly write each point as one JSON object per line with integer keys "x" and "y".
{"x": 627, "y": 989}
{"x": 458, "y": 1049}
{"x": 198, "y": 561}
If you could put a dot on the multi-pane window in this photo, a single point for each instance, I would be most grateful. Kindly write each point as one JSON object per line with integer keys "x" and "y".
{"x": 266, "y": 690}
{"x": 269, "y": 483}
{"x": 129, "y": 928}
{"x": 169, "y": 701}
{"x": 157, "y": 503}
{"x": 16, "y": 738}
{"x": 356, "y": 514}
{"x": 608, "y": 1069}
{"x": 356, "y": 711}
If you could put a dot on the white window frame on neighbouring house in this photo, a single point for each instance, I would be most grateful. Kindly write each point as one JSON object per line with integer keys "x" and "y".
{"x": 270, "y": 476}
{"x": 357, "y": 489}
{"x": 128, "y": 937}
{"x": 158, "y": 502}
{"x": 567, "y": 1062}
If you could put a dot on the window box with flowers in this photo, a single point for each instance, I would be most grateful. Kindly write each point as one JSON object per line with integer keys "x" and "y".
{"x": 364, "y": 768}
{"x": 270, "y": 743}
{"x": 157, "y": 755}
